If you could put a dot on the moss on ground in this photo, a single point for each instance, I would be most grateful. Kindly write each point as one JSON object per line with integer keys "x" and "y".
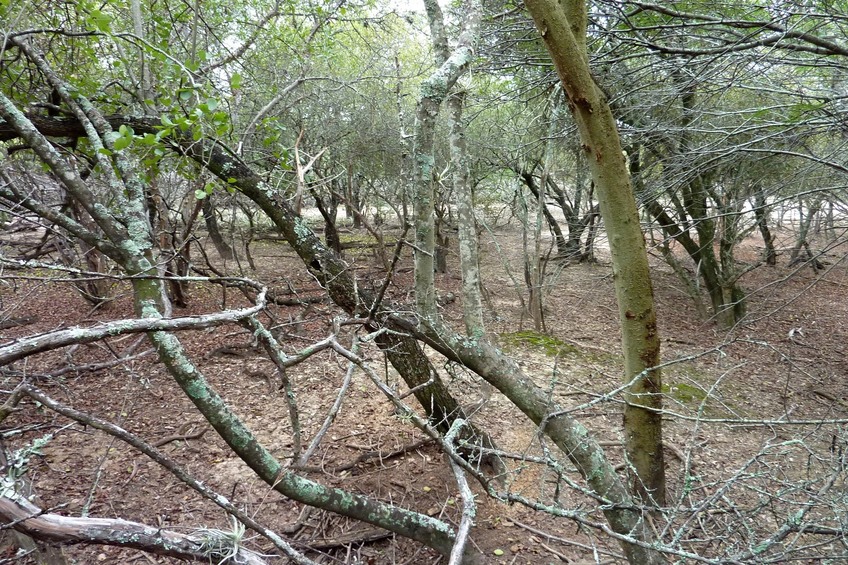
{"x": 547, "y": 344}
{"x": 684, "y": 392}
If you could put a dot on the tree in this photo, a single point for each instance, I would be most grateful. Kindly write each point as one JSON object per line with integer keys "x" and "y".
{"x": 563, "y": 28}
{"x": 300, "y": 118}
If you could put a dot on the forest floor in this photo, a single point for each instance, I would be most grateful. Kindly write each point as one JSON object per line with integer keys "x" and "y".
{"x": 786, "y": 362}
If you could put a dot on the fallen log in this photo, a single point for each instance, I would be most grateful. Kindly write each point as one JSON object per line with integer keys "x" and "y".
{"x": 207, "y": 545}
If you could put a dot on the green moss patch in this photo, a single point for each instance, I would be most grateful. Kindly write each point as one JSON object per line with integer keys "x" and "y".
{"x": 684, "y": 392}
{"x": 357, "y": 238}
{"x": 547, "y": 344}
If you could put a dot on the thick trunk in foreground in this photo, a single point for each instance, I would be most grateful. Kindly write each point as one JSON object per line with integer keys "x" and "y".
{"x": 563, "y": 28}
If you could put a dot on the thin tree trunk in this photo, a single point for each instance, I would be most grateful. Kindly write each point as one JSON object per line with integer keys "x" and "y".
{"x": 211, "y": 220}
{"x": 804, "y": 229}
{"x": 329, "y": 213}
{"x": 761, "y": 213}
{"x": 434, "y": 90}
{"x": 563, "y": 27}
{"x": 472, "y": 300}
{"x": 561, "y": 243}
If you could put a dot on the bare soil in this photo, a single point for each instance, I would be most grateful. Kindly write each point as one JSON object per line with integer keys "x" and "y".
{"x": 786, "y": 362}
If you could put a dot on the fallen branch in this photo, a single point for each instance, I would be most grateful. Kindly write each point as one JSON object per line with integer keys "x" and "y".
{"x": 15, "y": 322}
{"x": 178, "y": 436}
{"x": 351, "y": 538}
{"x": 54, "y": 528}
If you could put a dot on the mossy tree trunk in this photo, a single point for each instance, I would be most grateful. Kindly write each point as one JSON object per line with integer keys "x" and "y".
{"x": 472, "y": 298}
{"x": 434, "y": 90}
{"x": 563, "y": 29}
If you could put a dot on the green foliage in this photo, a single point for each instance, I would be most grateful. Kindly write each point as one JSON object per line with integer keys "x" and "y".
{"x": 547, "y": 344}
{"x": 18, "y": 464}
{"x": 684, "y": 392}
{"x": 226, "y": 544}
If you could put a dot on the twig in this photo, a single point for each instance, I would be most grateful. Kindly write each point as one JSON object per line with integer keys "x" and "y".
{"x": 178, "y": 436}
{"x": 363, "y": 457}
{"x": 564, "y": 540}
{"x": 332, "y": 412}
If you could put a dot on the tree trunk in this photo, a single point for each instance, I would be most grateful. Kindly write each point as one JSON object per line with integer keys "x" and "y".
{"x": 472, "y": 299}
{"x": 563, "y": 28}
{"x": 804, "y": 230}
{"x": 211, "y": 220}
{"x": 530, "y": 182}
{"x": 761, "y": 213}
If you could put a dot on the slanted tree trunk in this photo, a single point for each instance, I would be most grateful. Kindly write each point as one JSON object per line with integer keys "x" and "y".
{"x": 559, "y": 237}
{"x": 563, "y": 27}
{"x": 804, "y": 231}
{"x": 761, "y": 213}
{"x": 211, "y": 220}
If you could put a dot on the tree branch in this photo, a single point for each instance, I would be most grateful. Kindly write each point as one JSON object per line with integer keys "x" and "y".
{"x": 66, "y": 530}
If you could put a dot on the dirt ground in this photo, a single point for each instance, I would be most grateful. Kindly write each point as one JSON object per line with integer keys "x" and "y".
{"x": 785, "y": 363}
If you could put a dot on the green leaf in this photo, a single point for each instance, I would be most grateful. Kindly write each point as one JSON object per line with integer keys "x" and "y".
{"x": 104, "y": 151}
{"x": 200, "y": 194}
{"x": 235, "y": 81}
{"x": 211, "y": 104}
{"x": 99, "y": 20}
{"x": 122, "y": 143}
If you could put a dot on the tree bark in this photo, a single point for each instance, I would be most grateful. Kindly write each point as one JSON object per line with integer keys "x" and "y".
{"x": 472, "y": 298}
{"x": 67, "y": 530}
{"x": 211, "y": 220}
{"x": 563, "y": 29}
